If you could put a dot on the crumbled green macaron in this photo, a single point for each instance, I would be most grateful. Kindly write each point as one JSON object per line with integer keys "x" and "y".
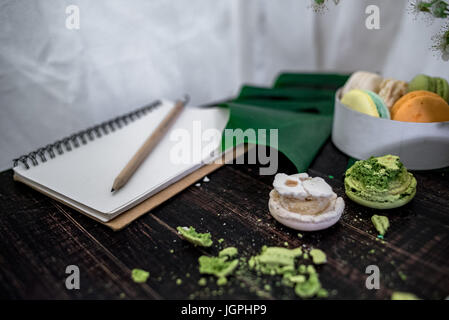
{"x": 139, "y": 275}
{"x": 222, "y": 281}
{"x": 228, "y": 252}
{"x": 398, "y": 295}
{"x": 381, "y": 223}
{"x": 380, "y": 183}
{"x": 198, "y": 239}
{"x": 322, "y": 293}
{"x": 275, "y": 260}
{"x": 318, "y": 256}
{"x": 309, "y": 288}
{"x": 311, "y": 269}
{"x": 299, "y": 278}
{"x": 217, "y": 266}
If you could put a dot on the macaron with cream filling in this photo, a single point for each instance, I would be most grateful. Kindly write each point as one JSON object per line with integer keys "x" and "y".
{"x": 380, "y": 183}
{"x": 363, "y": 80}
{"x": 304, "y": 203}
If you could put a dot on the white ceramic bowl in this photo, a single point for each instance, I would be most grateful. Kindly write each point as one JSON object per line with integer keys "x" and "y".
{"x": 421, "y": 146}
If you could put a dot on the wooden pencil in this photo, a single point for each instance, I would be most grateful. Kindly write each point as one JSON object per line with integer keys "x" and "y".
{"x": 146, "y": 148}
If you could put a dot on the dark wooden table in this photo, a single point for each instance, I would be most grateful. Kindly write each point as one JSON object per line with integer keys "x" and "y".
{"x": 40, "y": 237}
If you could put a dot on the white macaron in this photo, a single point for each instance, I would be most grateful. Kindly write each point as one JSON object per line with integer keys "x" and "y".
{"x": 302, "y": 194}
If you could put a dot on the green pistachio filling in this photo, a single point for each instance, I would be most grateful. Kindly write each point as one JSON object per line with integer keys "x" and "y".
{"x": 383, "y": 179}
{"x": 198, "y": 239}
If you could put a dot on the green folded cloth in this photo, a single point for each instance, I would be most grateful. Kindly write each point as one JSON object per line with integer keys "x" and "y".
{"x": 299, "y": 105}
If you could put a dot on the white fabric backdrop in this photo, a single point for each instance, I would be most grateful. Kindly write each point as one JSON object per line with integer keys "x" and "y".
{"x": 54, "y": 81}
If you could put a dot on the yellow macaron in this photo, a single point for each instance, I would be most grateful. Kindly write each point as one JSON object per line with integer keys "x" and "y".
{"x": 360, "y": 101}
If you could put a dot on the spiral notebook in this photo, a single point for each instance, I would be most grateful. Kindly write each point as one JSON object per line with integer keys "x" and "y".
{"x": 79, "y": 170}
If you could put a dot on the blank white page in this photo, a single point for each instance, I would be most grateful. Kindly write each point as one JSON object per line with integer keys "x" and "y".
{"x": 85, "y": 174}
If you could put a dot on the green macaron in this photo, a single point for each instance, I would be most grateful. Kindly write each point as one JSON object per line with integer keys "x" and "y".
{"x": 421, "y": 82}
{"x": 436, "y": 85}
{"x": 380, "y": 183}
{"x": 442, "y": 88}
{"x": 380, "y": 104}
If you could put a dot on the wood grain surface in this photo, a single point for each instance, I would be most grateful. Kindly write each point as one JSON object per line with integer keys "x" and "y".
{"x": 40, "y": 237}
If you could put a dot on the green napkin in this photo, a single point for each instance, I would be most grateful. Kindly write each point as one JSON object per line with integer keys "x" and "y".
{"x": 300, "y": 106}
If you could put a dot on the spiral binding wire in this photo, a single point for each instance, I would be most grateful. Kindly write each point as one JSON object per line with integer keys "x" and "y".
{"x": 77, "y": 139}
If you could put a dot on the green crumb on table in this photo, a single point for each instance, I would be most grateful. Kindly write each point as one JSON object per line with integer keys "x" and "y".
{"x": 371, "y": 251}
{"x": 275, "y": 260}
{"x": 318, "y": 256}
{"x": 302, "y": 269}
{"x": 228, "y": 252}
{"x": 202, "y": 282}
{"x": 222, "y": 281}
{"x": 322, "y": 293}
{"x": 381, "y": 223}
{"x": 305, "y": 256}
{"x": 296, "y": 279}
{"x": 178, "y": 281}
{"x": 198, "y": 239}
{"x": 172, "y": 251}
{"x": 309, "y": 288}
{"x": 286, "y": 244}
{"x": 139, "y": 275}
{"x": 300, "y": 235}
{"x": 217, "y": 266}
{"x": 311, "y": 269}
{"x": 267, "y": 287}
{"x": 402, "y": 275}
{"x": 398, "y": 295}
{"x": 220, "y": 240}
